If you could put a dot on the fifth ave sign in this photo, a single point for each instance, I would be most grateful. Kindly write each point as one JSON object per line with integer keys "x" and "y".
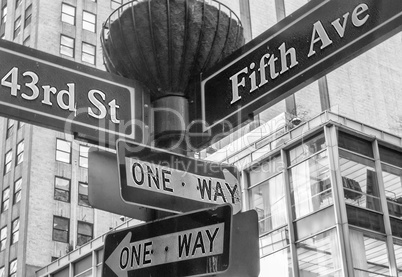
{"x": 316, "y": 39}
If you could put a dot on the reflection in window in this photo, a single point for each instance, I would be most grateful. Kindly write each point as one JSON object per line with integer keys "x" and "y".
{"x": 7, "y": 161}
{"x": 17, "y": 26}
{"x": 83, "y": 194}
{"x": 268, "y": 199}
{"x": 277, "y": 264}
{"x": 359, "y": 181}
{"x": 62, "y": 189}
{"x": 84, "y": 233}
{"x": 15, "y": 231}
{"x": 274, "y": 241}
{"x": 5, "y": 200}
{"x": 320, "y": 255}
{"x": 310, "y": 185}
{"x": 61, "y": 229}
{"x": 67, "y": 46}
{"x": 17, "y": 191}
{"x": 20, "y": 153}
{"x": 88, "y": 53}
{"x": 369, "y": 255}
{"x": 13, "y": 268}
{"x": 3, "y": 238}
{"x": 393, "y": 189}
{"x": 68, "y": 14}
{"x": 89, "y": 21}
{"x": 10, "y": 128}
{"x": 306, "y": 149}
{"x": 83, "y": 159}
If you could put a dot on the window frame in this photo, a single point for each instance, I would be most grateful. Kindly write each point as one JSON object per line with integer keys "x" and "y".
{"x": 5, "y": 199}
{"x": 87, "y": 237}
{"x": 3, "y": 239}
{"x": 20, "y": 153}
{"x": 17, "y": 27}
{"x": 61, "y": 230}
{"x": 10, "y": 128}
{"x": 13, "y": 265}
{"x": 66, "y": 17}
{"x": 4, "y": 14}
{"x": 17, "y": 191}
{"x": 86, "y": 22}
{"x": 60, "y": 189}
{"x": 8, "y": 159}
{"x": 15, "y": 230}
{"x": 28, "y": 16}
{"x": 88, "y": 54}
{"x": 66, "y": 48}
{"x": 83, "y": 156}
{"x": 61, "y": 151}
{"x": 83, "y": 199}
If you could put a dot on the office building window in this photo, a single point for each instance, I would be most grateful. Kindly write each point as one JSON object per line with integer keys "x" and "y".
{"x": 7, "y": 161}
{"x": 114, "y": 4}
{"x": 17, "y": 191}
{"x": 20, "y": 123}
{"x": 88, "y": 53}
{"x": 15, "y": 231}
{"x": 84, "y": 232}
{"x": 10, "y": 128}
{"x": 28, "y": 16}
{"x": 17, "y": 26}
{"x": 3, "y": 238}
{"x": 68, "y": 14}
{"x": 89, "y": 21}
{"x": 17, "y": 3}
{"x": 13, "y": 268}
{"x": 63, "y": 151}
{"x": 67, "y": 46}
{"x": 5, "y": 200}
{"x": 83, "y": 159}
{"x": 61, "y": 229}
{"x": 62, "y": 189}
{"x": 4, "y": 14}
{"x": 27, "y": 42}
{"x": 83, "y": 194}
{"x": 20, "y": 153}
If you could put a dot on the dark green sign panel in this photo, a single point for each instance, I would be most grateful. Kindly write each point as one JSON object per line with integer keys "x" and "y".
{"x": 316, "y": 39}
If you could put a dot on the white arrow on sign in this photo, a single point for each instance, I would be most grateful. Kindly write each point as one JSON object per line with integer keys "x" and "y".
{"x": 170, "y": 181}
{"x": 185, "y": 245}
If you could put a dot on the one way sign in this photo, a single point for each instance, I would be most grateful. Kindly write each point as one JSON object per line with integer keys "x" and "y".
{"x": 191, "y": 244}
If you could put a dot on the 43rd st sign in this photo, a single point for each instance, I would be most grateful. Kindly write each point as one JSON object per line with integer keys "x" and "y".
{"x": 171, "y": 182}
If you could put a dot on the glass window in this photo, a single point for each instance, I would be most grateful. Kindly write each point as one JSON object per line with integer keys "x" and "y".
{"x": 84, "y": 233}
{"x": 2, "y": 271}
{"x": 114, "y": 4}
{"x": 21, "y": 123}
{"x": 277, "y": 264}
{"x": 393, "y": 189}
{"x": 398, "y": 255}
{"x": 63, "y": 151}
{"x": 310, "y": 185}
{"x": 274, "y": 241}
{"x": 17, "y": 3}
{"x": 359, "y": 181}
{"x": 15, "y": 231}
{"x": 89, "y": 21}
{"x": 61, "y": 229}
{"x": 355, "y": 144}
{"x": 3, "y": 238}
{"x": 10, "y": 128}
{"x": 27, "y": 42}
{"x": 13, "y": 268}
{"x": 68, "y": 14}
{"x": 62, "y": 189}
{"x": 268, "y": 199}
{"x": 306, "y": 149}
{"x": 83, "y": 194}
{"x": 390, "y": 156}
{"x": 88, "y": 53}
{"x": 5, "y": 200}
{"x": 264, "y": 171}
{"x": 369, "y": 254}
{"x": 7, "y": 161}
{"x": 83, "y": 159}
{"x": 4, "y": 14}
{"x": 20, "y": 152}
{"x": 17, "y": 191}
{"x": 28, "y": 16}
{"x": 320, "y": 255}
{"x": 67, "y": 46}
{"x": 17, "y": 26}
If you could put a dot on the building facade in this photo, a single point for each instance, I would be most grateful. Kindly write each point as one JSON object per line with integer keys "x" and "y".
{"x": 327, "y": 191}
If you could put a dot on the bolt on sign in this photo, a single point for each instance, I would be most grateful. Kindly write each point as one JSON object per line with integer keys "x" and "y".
{"x": 166, "y": 181}
{"x": 56, "y": 93}
{"x": 316, "y": 39}
{"x": 192, "y": 244}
